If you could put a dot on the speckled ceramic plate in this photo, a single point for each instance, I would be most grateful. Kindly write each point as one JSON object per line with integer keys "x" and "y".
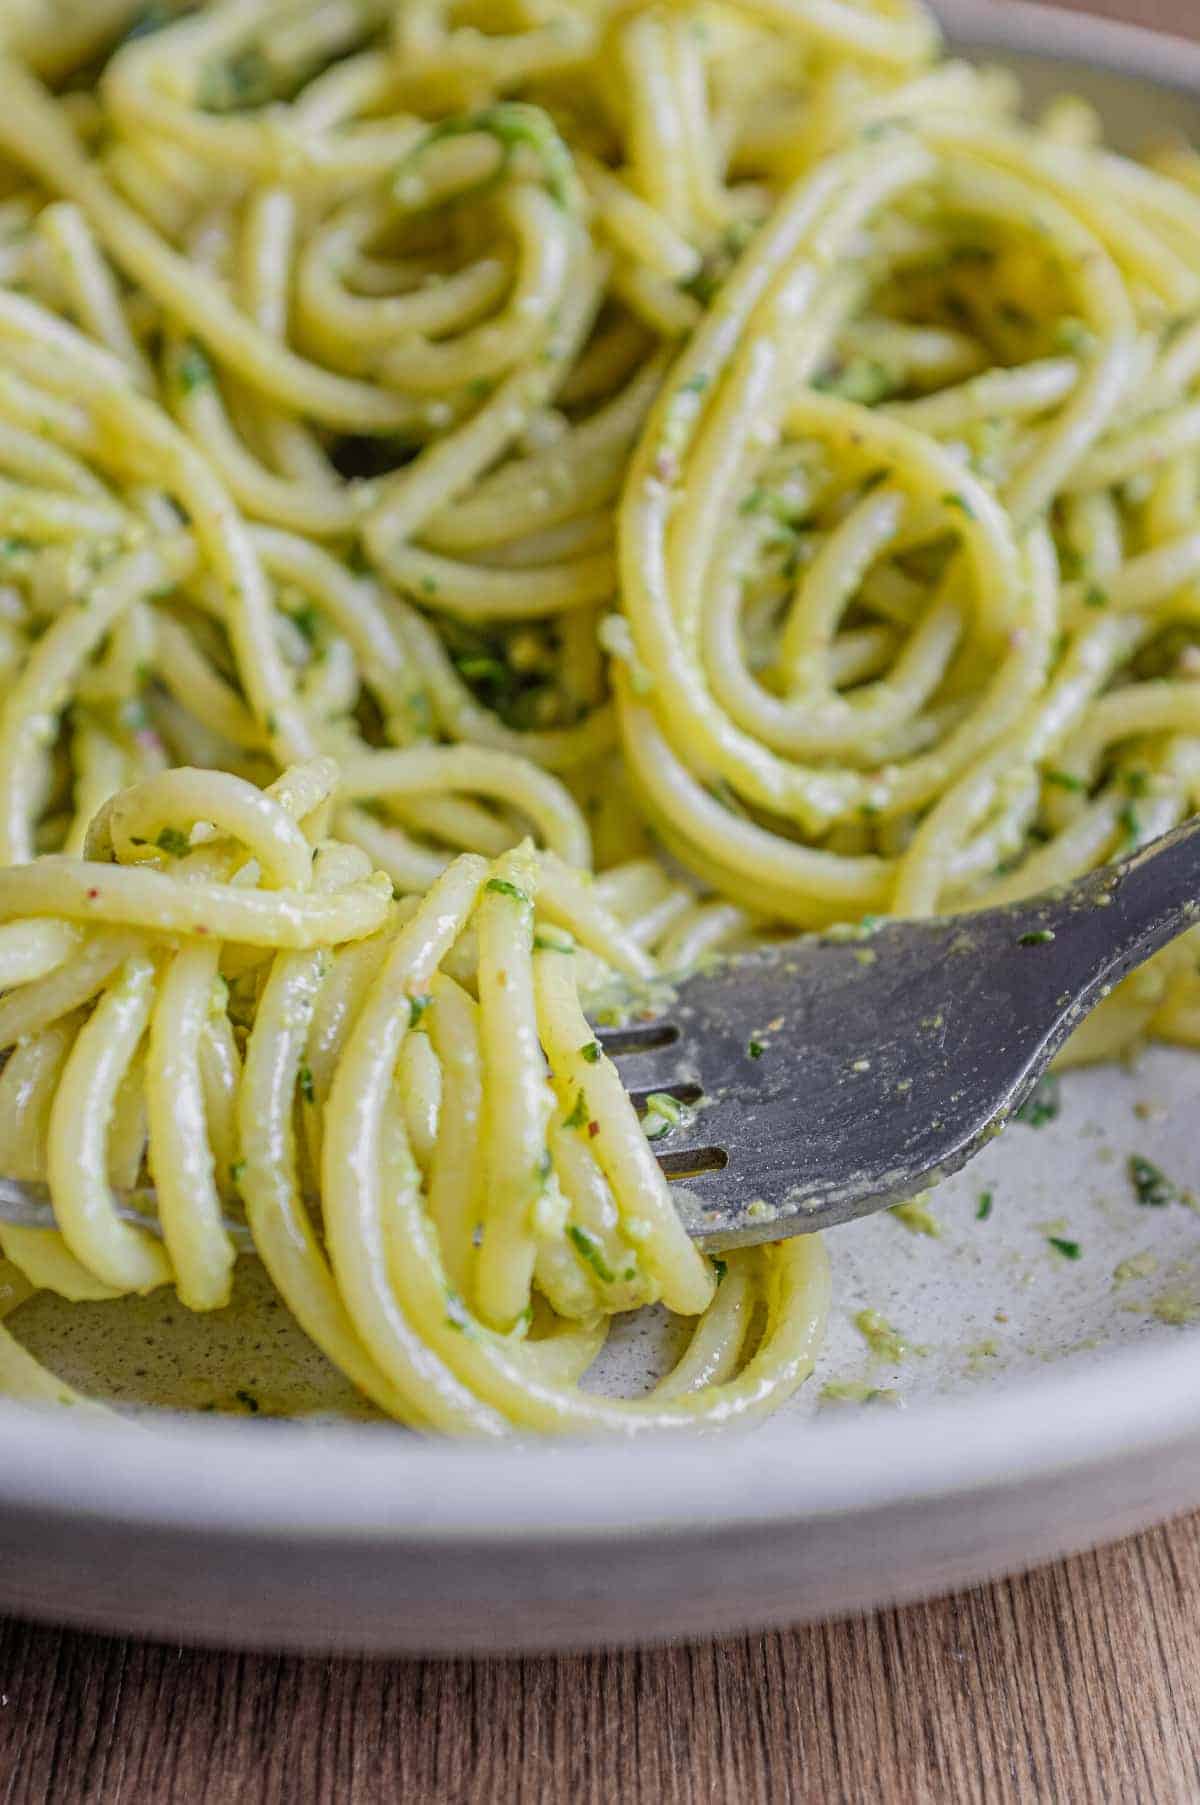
{"x": 1042, "y": 1392}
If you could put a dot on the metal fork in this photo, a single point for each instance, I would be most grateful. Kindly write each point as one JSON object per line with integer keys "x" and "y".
{"x": 830, "y": 1076}
{"x": 839, "y": 1074}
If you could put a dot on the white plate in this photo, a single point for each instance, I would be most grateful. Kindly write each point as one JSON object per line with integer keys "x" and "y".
{"x": 1075, "y": 1420}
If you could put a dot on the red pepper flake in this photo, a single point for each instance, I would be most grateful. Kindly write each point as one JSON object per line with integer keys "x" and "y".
{"x": 593, "y": 1129}
{"x": 201, "y": 929}
{"x": 92, "y": 895}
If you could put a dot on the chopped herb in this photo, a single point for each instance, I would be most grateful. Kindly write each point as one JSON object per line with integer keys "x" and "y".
{"x": 544, "y": 1168}
{"x": 429, "y": 585}
{"x": 720, "y": 1266}
{"x": 958, "y": 500}
{"x": 1070, "y": 1250}
{"x": 306, "y": 621}
{"x": 234, "y": 86}
{"x": 588, "y": 1248}
{"x": 237, "y": 1171}
{"x": 248, "y": 1400}
{"x": 1095, "y": 597}
{"x": 1065, "y": 780}
{"x": 1137, "y": 782}
{"x": 192, "y": 368}
{"x": 500, "y": 886}
{"x": 695, "y": 385}
{"x": 307, "y": 1090}
{"x": 546, "y": 943}
{"x": 1130, "y": 823}
{"x": 983, "y": 1208}
{"x": 663, "y": 1112}
{"x": 1152, "y": 1187}
{"x": 1043, "y": 1104}
{"x": 480, "y": 668}
{"x": 416, "y": 1010}
{"x": 173, "y": 842}
{"x": 756, "y": 1049}
{"x": 579, "y": 1114}
{"x": 591, "y": 1052}
{"x": 1036, "y": 937}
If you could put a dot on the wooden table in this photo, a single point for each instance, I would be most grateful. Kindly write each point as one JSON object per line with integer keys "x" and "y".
{"x": 1077, "y": 1683}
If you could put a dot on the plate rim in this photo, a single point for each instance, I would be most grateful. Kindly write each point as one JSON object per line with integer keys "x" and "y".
{"x": 232, "y": 1478}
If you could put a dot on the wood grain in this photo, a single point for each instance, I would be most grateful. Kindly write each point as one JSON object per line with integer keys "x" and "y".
{"x": 1077, "y": 1684}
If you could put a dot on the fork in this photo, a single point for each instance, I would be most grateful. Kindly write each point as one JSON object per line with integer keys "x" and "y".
{"x": 826, "y": 1077}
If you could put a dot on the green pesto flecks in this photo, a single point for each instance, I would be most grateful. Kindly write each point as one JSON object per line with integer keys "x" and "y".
{"x": 1137, "y": 1266}
{"x": 1043, "y": 1103}
{"x": 589, "y": 1250}
{"x": 854, "y": 1391}
{"x": 1151, "y": 1186}
{"x": 882, "y": 1338}
{"x": 1176, "y": 1308}
{"x": 917, "y": 1218}
{"x": 500, "y": 886}
{"x": 552, "y": 943}
{"x": 192, "y": 368}
{"x": 663, "y": 1113}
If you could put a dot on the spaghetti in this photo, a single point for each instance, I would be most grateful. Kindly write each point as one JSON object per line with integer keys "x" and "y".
{"x": 450, "y": 453}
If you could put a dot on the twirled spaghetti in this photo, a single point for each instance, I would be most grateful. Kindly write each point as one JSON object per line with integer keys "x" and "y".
{"x": 449, "y": 453}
